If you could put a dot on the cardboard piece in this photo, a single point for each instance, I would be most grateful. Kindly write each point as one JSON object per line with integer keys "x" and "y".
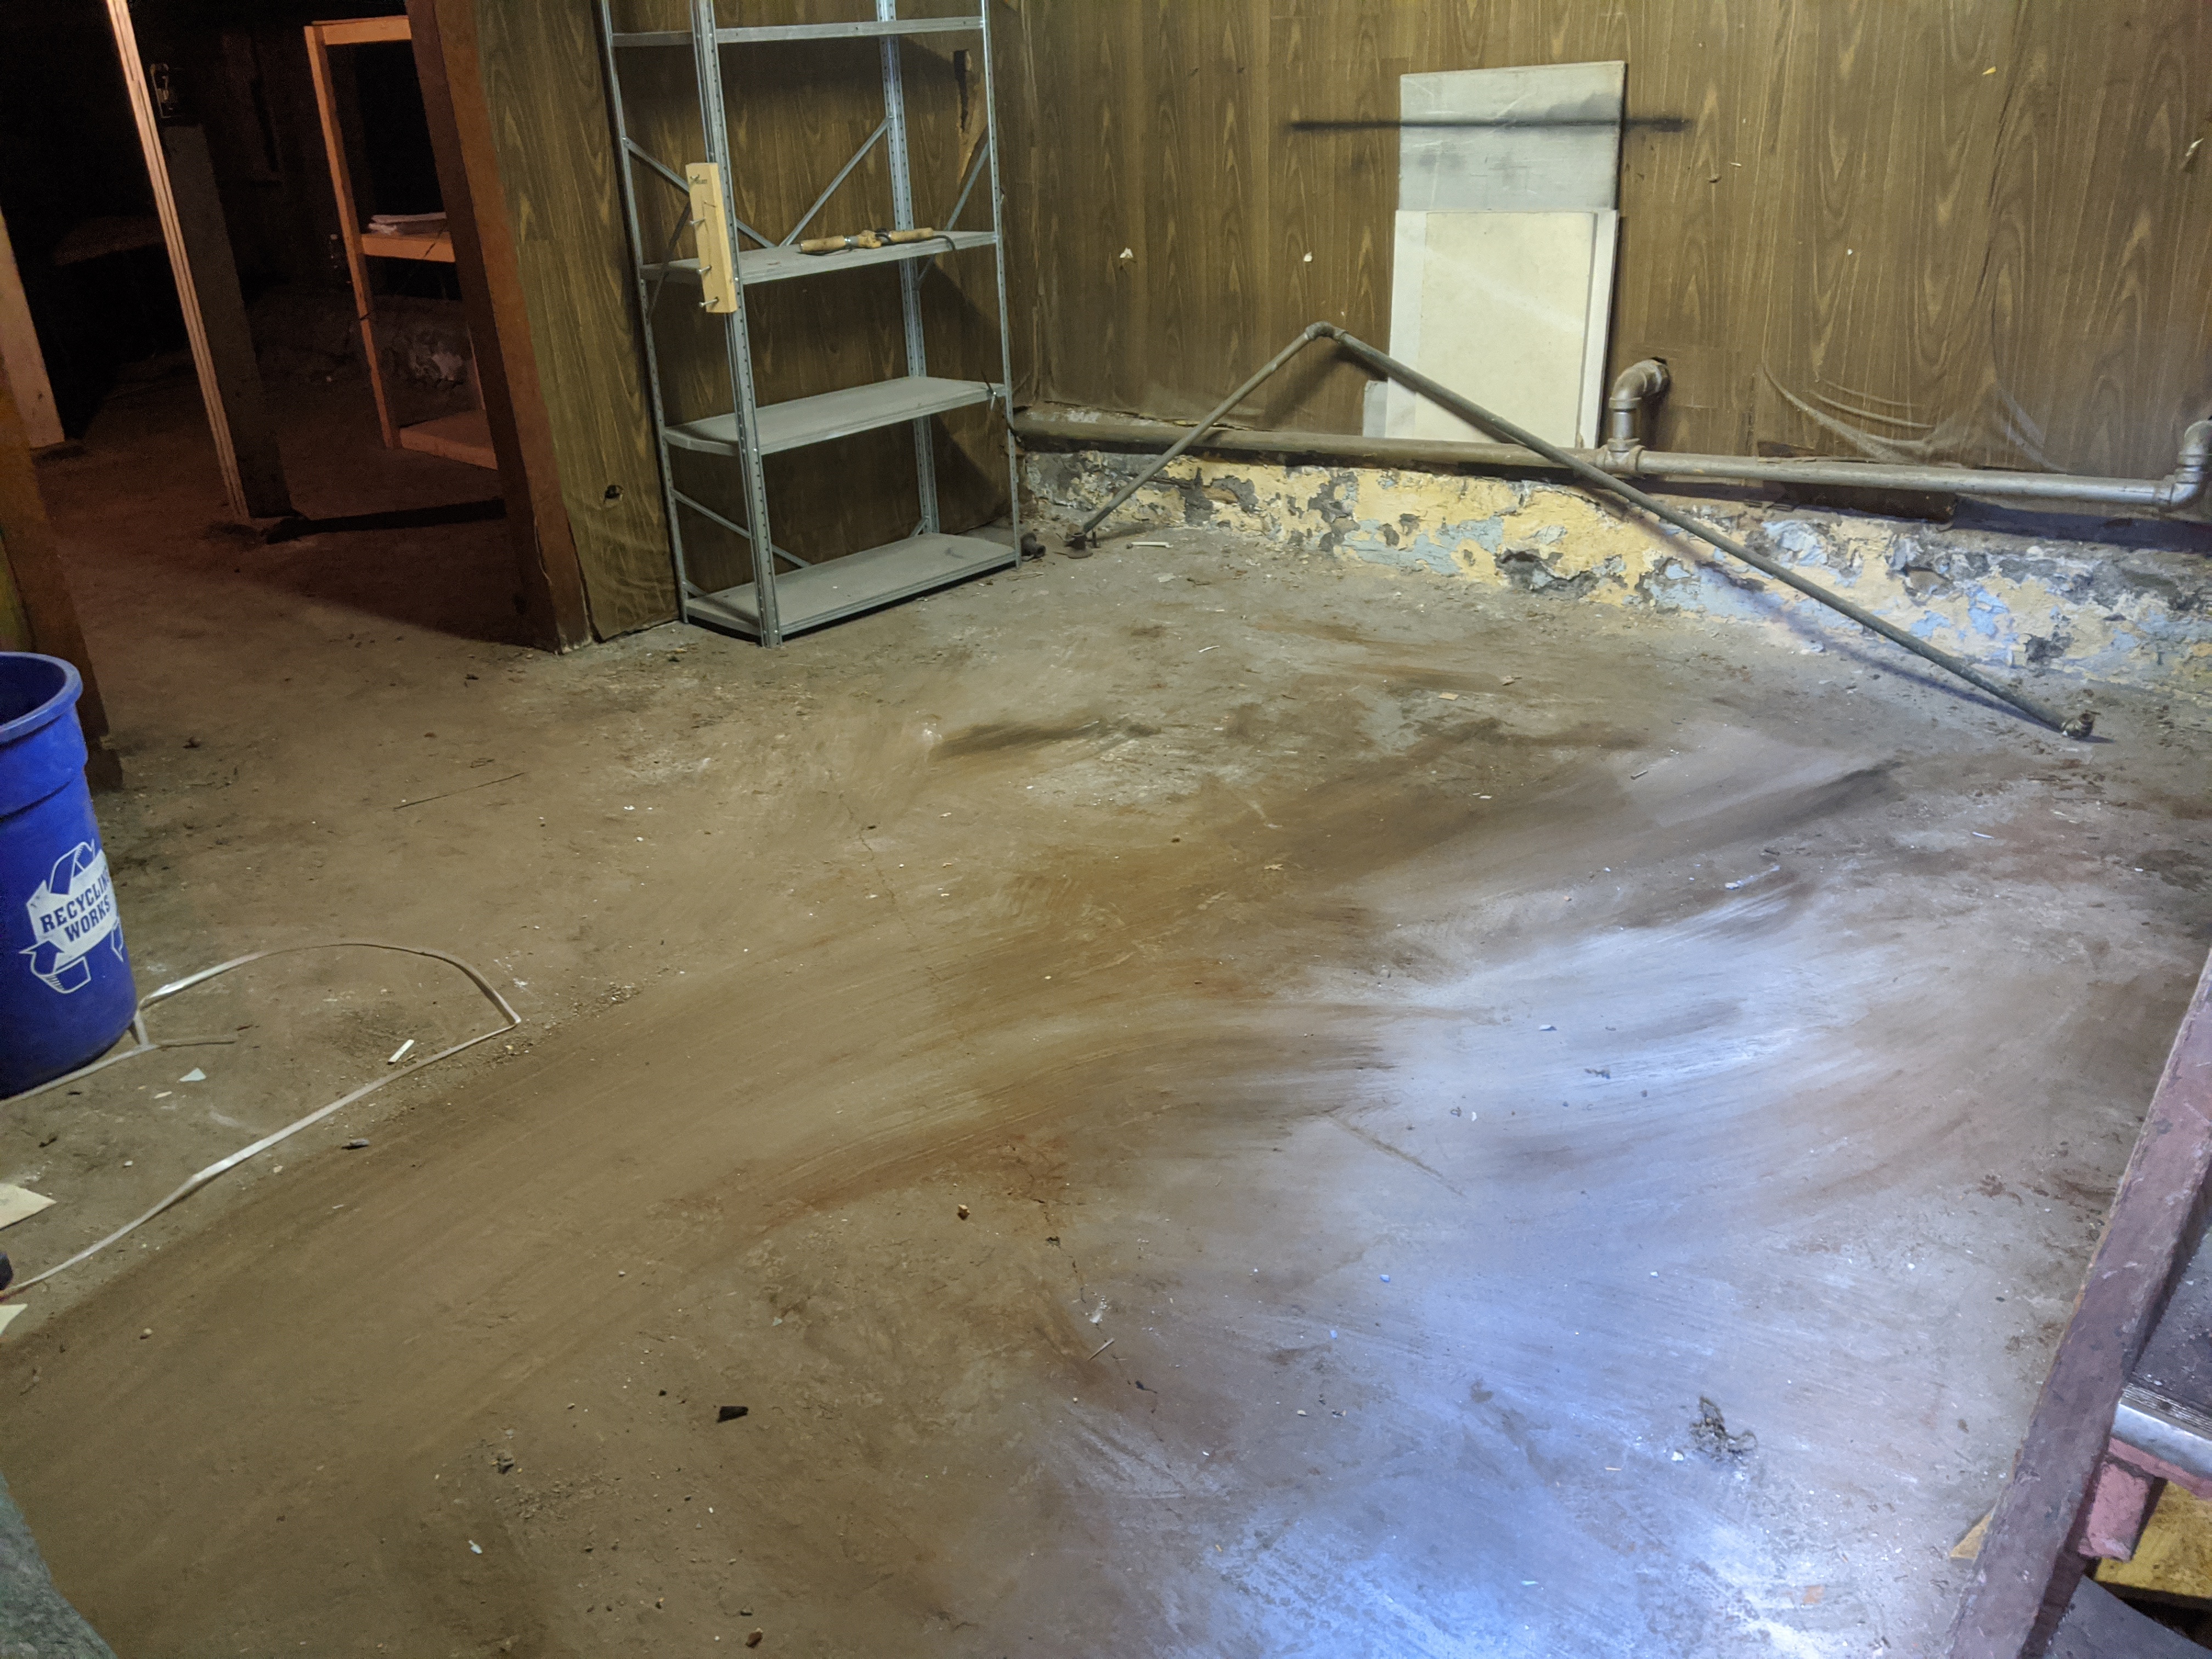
{"x": 19, "y": 1203}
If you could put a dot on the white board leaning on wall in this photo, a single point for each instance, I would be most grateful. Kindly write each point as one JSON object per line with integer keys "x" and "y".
{"x": 1507, "y": 222}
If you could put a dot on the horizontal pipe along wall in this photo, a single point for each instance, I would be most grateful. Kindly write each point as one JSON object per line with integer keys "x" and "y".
{"x": 1968, "y": 233}
{"x": 2093, "y": 611}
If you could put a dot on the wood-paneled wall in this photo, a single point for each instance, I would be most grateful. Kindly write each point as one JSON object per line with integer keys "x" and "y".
{"x": 1956, "y": 230}
{"x": 543, "y": 88}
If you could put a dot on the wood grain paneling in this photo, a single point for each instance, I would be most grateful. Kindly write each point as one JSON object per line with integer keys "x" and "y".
{"x": 1962, "y": 230}
{"x": 549, "y": 578}
{"x": 542, "y": 81}
{"x": 1957, "y": 230}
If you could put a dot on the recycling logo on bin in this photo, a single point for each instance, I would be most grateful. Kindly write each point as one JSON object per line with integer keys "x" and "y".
{"x": 72, "y": 910}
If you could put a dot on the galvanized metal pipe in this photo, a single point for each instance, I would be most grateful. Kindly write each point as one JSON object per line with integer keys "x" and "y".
{"x": 1640, "y": 382}
{"x": 1625, "y": 455}
{"x": 1632, "y": 388}
{"x": 1085, "y": 538}
{"x": 2149, "y": 493}
{"x": 2077, "y": 725}
{"x": 2184, "y": 487}
{"x": 1084, "y": 432}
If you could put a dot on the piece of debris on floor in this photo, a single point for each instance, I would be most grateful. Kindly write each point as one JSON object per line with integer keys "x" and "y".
{"x": 2173, "y": 1557}
{"x": 1970, "y": 1547}
{"x": 1711, "y": 1433}
{"x": 20, "y": 1204}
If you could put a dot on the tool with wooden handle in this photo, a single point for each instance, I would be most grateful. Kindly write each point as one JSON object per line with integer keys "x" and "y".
{"x": 866, "y": 238}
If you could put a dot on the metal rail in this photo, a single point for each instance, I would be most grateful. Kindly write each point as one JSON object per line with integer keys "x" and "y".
{"x": 2075, "y": 725}
{"x": 2184, "y": 487}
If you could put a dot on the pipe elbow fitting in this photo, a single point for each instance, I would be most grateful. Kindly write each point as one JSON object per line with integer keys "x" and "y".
{"x": 2184, "y": 485}
{"x": 1639, "y": 380}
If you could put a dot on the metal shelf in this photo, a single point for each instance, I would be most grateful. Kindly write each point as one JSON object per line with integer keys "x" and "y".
{"x": 777, "y": 601}
{"x": 837, "y": 588}
{"x": 764, "y": 33}
{"x": 817, "y": 420}
{"x": 780, "y": 264}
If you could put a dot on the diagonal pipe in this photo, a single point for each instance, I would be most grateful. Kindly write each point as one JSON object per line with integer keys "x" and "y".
{"x": 2073, "y": 725}
{"x": 1087, "y": 538}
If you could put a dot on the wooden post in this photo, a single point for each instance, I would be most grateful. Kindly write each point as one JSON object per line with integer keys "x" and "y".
{"x": 20, "y": 355}
{"x": 244, "y": 441}
{"x": 41, "y": 596}
{"x": 551, "y": 576}
{"x": 223, "y": 322}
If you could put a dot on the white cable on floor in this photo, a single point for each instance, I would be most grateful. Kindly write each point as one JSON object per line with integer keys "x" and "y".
{"x": 146, "y": 1045}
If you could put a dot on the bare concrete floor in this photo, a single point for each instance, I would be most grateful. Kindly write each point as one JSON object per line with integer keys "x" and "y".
{"x": 1399, "y": 1050}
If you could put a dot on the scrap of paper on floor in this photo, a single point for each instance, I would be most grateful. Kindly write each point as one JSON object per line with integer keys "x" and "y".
{"x": 19, "y": 1203}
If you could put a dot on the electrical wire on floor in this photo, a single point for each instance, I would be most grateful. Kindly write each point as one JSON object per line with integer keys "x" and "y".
{"x": 146, "y": 1043}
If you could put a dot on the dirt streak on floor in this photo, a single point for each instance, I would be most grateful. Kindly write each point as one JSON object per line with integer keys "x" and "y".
{"x": 1398, "y": 1052}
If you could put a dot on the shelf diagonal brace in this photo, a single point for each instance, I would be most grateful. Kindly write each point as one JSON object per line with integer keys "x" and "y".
{"x": 708, "y": 512}
{"x": 843, "y": 174}
{"x": 685, "y": 185}
{"x": 974, "y": 172}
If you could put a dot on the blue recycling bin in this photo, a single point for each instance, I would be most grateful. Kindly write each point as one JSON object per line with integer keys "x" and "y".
{"x": 65, "y": 988}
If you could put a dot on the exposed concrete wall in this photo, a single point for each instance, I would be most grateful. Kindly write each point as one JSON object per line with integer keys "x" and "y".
{"x": 2093, "y": 611}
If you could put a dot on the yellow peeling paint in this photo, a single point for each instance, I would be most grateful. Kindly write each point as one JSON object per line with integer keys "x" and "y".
{"x": 2085, "y": 609}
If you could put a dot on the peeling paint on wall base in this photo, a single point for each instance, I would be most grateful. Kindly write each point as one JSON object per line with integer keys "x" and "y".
{"x": 2090, "y": 610}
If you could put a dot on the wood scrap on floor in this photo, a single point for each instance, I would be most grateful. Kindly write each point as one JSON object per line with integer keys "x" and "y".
{"x": 2172, "y": 1557}
{"x": 1968, "y": 1547}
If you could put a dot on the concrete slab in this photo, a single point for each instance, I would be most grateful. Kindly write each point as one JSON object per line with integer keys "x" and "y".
{"x": 1486, "y": 1127}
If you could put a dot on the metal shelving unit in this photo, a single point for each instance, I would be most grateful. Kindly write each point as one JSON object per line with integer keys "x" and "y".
{"x": 781, "y": 602}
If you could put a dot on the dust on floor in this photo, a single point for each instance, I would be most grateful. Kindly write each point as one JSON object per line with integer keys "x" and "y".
{"x": 1401, "y": 1052}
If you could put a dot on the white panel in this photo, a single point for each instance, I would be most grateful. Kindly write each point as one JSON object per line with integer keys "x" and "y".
{"x": 1408, "y": 262}
{"x": 1502, "y": 308}
{"x": 1535, "y": 140}
{"x": 1598, "y": 329}
{"x": 1374, "y": 409}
